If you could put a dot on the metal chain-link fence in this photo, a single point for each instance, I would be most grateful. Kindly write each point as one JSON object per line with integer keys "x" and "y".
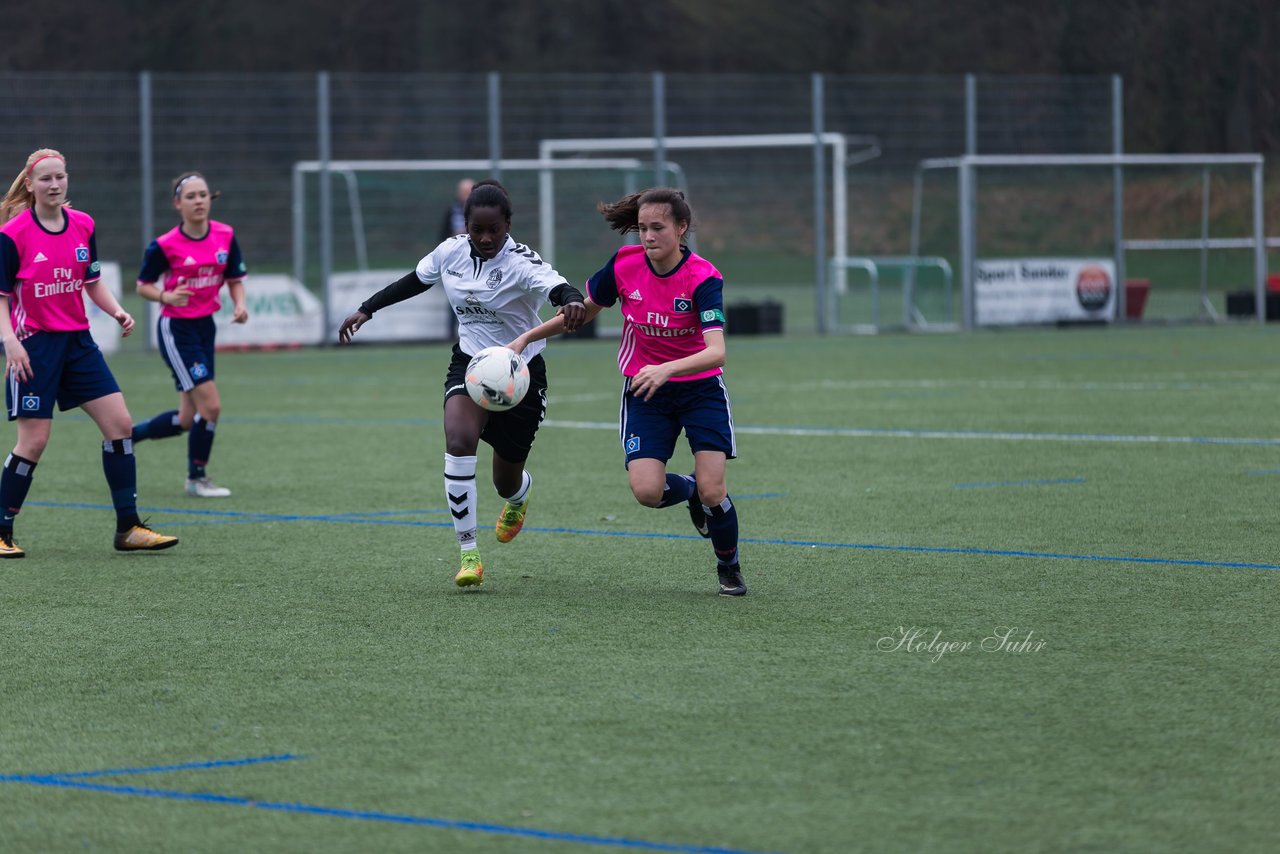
{"x": 127, "y": 135}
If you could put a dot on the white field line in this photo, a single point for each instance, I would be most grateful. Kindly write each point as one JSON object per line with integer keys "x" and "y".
{"x": 994, "y": 435}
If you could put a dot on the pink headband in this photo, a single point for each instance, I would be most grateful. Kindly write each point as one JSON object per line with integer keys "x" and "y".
{"x": 44, "y": 157}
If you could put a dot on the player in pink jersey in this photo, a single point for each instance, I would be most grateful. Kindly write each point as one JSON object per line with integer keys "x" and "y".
{"x": 48, "y": 261}
{"x": 671, "y": 357}
{"x": 194, "y": 259}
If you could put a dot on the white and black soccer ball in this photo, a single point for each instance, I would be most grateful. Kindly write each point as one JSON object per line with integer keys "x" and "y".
{"x": 497, "y": 378}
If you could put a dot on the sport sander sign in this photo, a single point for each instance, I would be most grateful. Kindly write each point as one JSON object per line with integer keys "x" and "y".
{"x": 1012, "y": 291}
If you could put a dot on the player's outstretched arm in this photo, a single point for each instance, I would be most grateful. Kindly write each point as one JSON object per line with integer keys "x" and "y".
{"x": 400, "y": 290}
{"x": 553, "y": 327}
{"x": 354, "y": 321}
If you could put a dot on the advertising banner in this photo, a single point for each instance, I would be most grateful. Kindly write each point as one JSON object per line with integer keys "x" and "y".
{"x": 282, "y": 313}
{"x": 1014, "y": 291}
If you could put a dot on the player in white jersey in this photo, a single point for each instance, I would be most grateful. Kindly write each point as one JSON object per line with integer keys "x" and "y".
{"x": 494, "y": 286}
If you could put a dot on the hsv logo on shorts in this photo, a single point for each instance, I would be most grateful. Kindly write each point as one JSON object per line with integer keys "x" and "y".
{"x": 199, "y": 371}
{"x": 30, "y": 402}
{"x": 633, "y": 444}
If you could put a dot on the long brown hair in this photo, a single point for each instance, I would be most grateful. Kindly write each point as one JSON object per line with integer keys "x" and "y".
{"x": 623, "y": 215}
{"x": 19, "y": 198}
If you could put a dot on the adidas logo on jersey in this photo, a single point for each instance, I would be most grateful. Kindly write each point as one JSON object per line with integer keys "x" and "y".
{"x": 40, "y": 256}
{"x": 190, "y": 261}
{"x": 635, "y": 295}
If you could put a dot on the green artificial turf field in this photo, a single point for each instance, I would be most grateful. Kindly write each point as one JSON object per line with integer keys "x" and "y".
{"x": 1009, "y": 591}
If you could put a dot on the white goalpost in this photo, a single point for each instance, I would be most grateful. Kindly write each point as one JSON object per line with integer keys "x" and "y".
{"x": 968, "y": 166}
{"x": 838, "y": 143}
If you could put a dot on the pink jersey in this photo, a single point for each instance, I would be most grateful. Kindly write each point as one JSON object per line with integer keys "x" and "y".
{"x": 663, "y": 316}
{"x": 44, "y": 273}
{"x": 202, "y": 265}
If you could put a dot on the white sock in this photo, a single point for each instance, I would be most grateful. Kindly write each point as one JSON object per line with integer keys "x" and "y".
{"x": 518, "y": 499}
{"x": 460, "y": 494}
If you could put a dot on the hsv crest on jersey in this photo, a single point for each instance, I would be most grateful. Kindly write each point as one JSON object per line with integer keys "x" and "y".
{"x": 222, "y": 256}
{"x": 82, "y": 253}
{"x": 683, "y": 304}
{"x": 495, "y": 279}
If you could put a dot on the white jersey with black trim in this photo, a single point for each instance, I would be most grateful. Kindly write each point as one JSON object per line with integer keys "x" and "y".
{"x": 494, "y": 299}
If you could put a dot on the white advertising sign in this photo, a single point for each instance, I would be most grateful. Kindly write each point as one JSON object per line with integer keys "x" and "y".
{"x": 1011, "y": 291}
{"x": 426, "y": 317}
{"x": 102, "y": 326}
{"x": 282, "y": 313}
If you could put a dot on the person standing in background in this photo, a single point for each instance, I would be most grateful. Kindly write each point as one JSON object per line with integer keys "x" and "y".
{"x": 455, "y": 216}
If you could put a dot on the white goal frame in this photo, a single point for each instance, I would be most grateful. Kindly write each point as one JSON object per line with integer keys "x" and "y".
{"x": 840, "y": 162}
{"x": 966, "y": 165}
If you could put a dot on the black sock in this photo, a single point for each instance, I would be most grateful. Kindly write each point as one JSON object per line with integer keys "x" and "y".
{"x": 121, "y": 469}
{"x": 723, "y": 522}
{"x": 15, "y": 481}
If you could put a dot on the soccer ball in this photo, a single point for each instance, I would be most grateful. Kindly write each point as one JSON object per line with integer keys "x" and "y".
{"x": 497, "y": 378}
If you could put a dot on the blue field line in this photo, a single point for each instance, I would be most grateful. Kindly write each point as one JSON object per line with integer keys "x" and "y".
{"x": 1213, "y": 564}
{"x": 184, "y": 766}
{"x": 66, "y": 782}
{"x": 994, "y": 483}
{"x": 654, "y": 535}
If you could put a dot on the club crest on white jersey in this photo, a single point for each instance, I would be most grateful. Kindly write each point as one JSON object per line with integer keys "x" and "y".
{"x": 493, "y": 299}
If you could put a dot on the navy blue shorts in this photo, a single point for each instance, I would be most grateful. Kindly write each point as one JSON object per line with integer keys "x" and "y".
{"x": 186, "y": 345}
{"x": 649, "y": 428}
{"x": 509, "y": 433}
{"x": 68, "y": 368}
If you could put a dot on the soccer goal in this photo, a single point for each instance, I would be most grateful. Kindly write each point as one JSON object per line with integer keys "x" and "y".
{"x": 1052, "y": 238}
{"x": 845, "y": 151}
